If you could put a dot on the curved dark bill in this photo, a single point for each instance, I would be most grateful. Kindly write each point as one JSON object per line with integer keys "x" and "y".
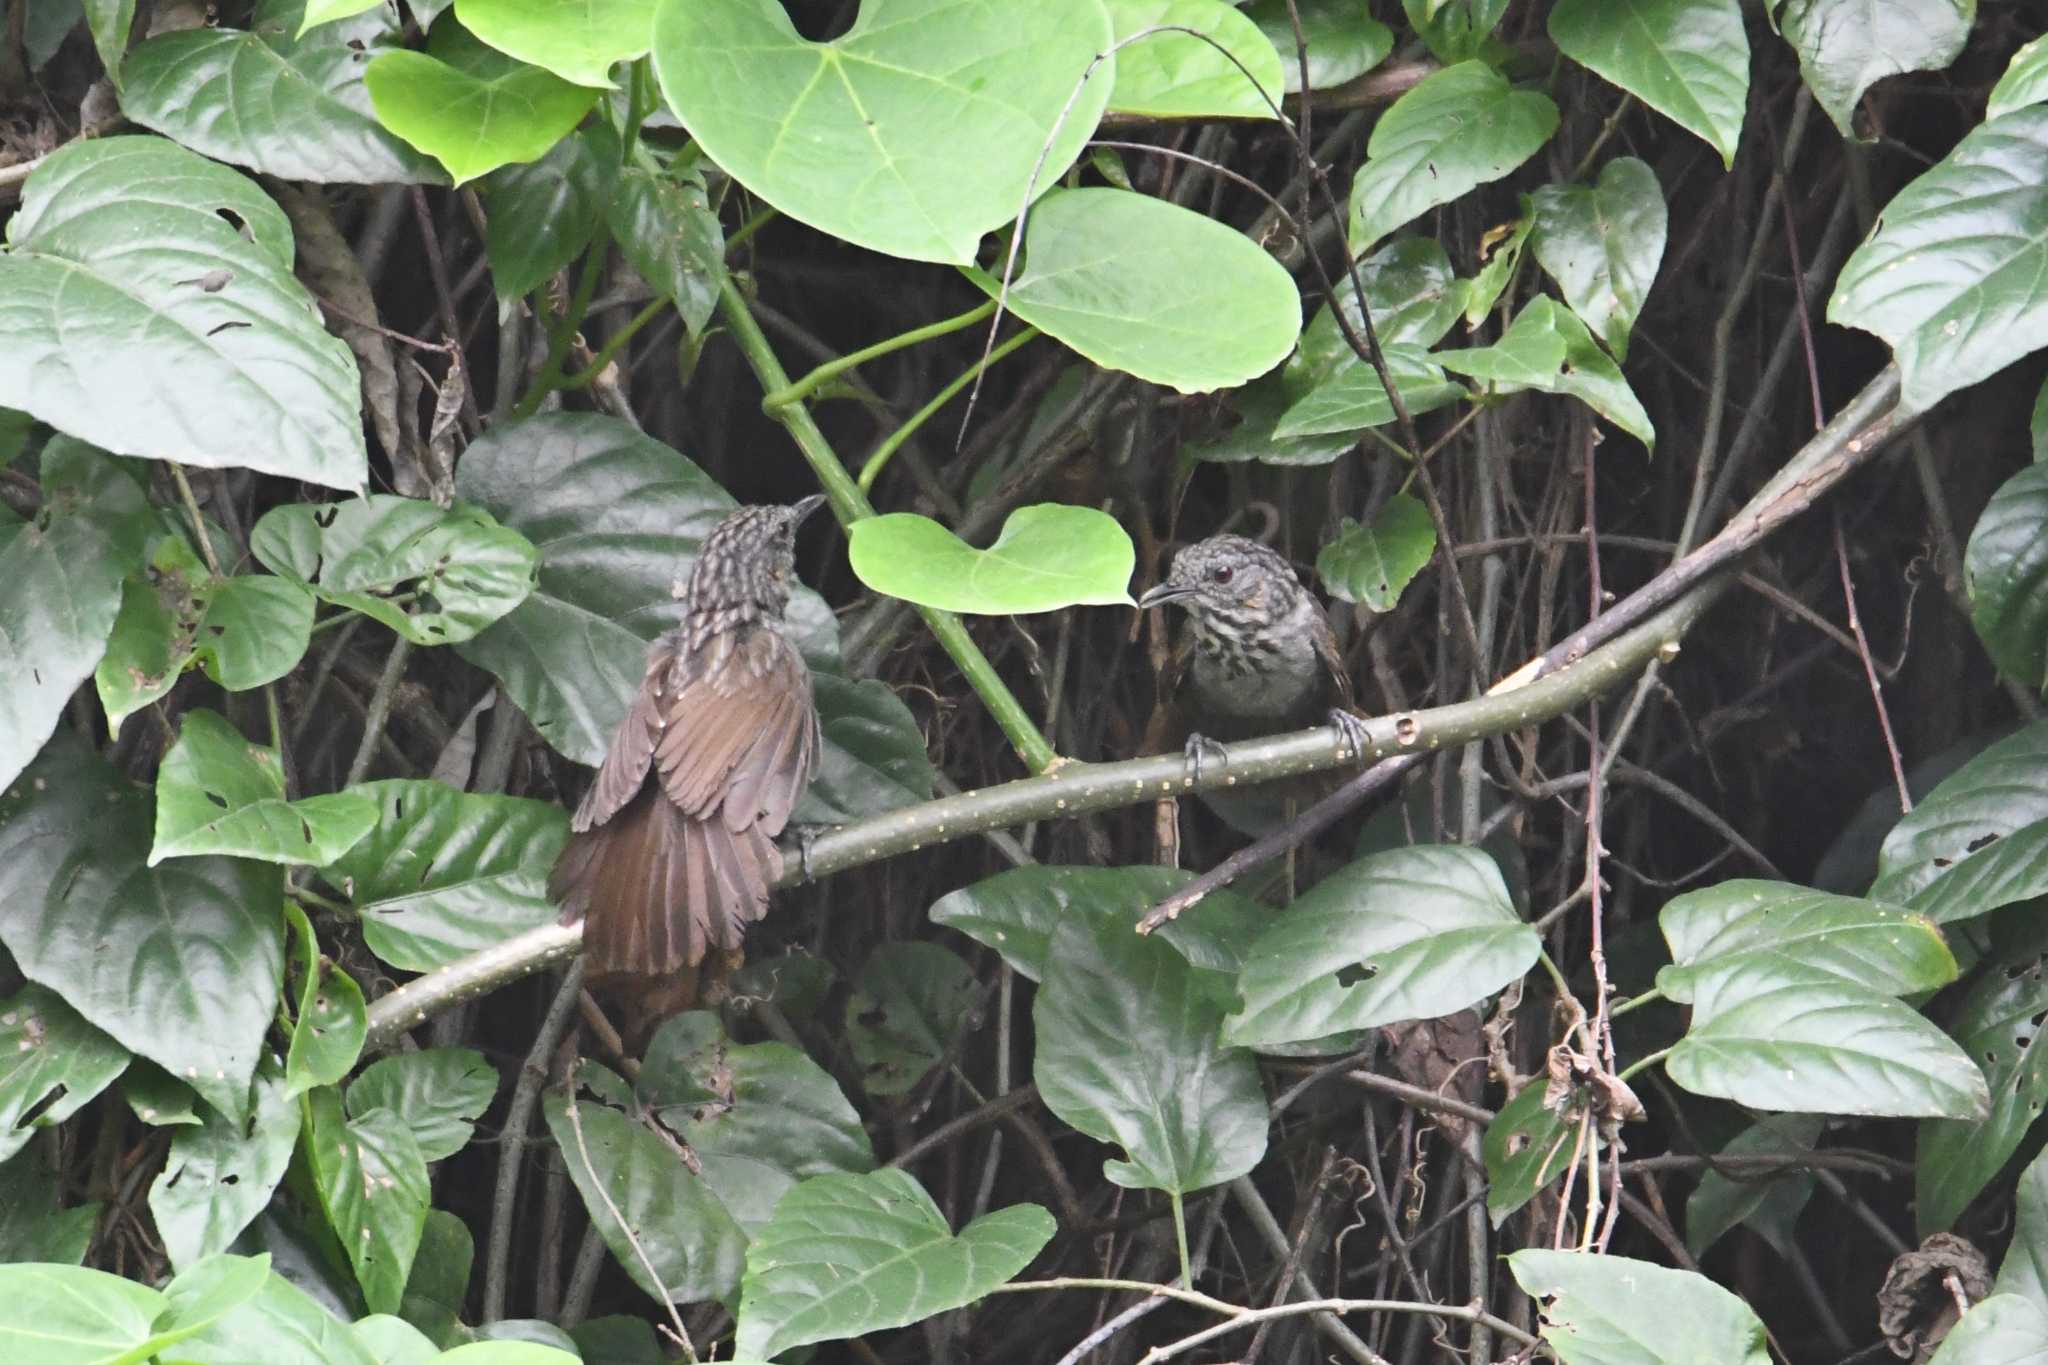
{"x": 803, "y": 507}
{"x": 1164, "y": 593}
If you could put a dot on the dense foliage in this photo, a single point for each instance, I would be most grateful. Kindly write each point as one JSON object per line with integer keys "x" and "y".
{"x": 1649, "y": 386}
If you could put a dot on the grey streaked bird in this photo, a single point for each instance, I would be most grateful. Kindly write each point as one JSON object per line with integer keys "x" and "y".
{"x": 671, "y": 852}
{"x": 1258, "y": 658}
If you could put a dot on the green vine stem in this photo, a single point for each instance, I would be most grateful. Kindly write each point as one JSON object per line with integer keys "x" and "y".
{"x": 788, "y": 394}
{"x": 562, "y": 331}
{"x": 850, "y": 504}
{"x": 872, "y": 470}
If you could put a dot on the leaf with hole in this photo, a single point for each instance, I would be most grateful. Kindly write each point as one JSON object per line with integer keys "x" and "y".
{"x": 1612, "y": 1308}
{"x": 220, "y": 1175}
{"x": 109, "y": 260}
{"x": 665, "y": 227}
{"x": 329, "y": 1024}
{"x": 1375, "y": 564}
{"x": 908, "y": 1011}
{"x": 1046, "y": 557}
{"x": 1687, "y": 59}
{"x": 52, "y": 1064}
{"x": 846, "y": 1255}
{"x": 1527, "y": 1146}
{"x": 372, "y": 1183}
{"x": 220, "y": 793}
{"x": 839, "y": 134}
{"x": 1997, "y": 794}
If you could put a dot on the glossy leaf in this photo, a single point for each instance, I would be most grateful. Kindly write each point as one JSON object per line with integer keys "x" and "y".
{"x": 1768, "y": 1204}
{"x": 92, "y": 1316}
{"x": 435, "y": 575}
{"x": 1773, "y": 1033}
{"x": 1353, "y": 398}
{"x": 1846, "y": 46}
{"x": 437, "y": 1092}
{"x": 1456, "y": 130}
{"x": 2007, "y": 571}
{"x": 1047, "y": 556}
{"x": 2025, "y": 1269}
{"x": 373, "y": 1184}
{"x": 110, "y": 22}
{"x": 1994, "y": 1024}
{"x": 220, "y": 1174}
{"x": 1955, "y": 278}
{"x": 1880, "y": 947}
{"x": 907, "y": 1012}
{"x": 1526, "y": 1147}
{"x": 1547, "y": 348}
{"x": 158, "y": 1098}
{"x": 1128, "y": 1054}
{"x": 1374, "y": 564}
{"x": 445, "y": 873}
{"x": 273, "y": 101}
{"x": 52, "y": 1064}
{"x": 2025, "y": 81}
{"x": 220, "y": 793}
{"x": 694, "y": 1246}
{"x": 850, "y": 1254}
{"x": 178, "y": 963}
{"x": 470, "y": 108}
{"x": 328, "y": 1023}
{"x": 60, "y": 589}
{"x": 1611, "y": 1310}
{"x": 665, "y": 227}
{"x": 1687, "y": 59}
{"x": 759, "y": 1116}
{"x": 1997, "y": 794}
{"x": 1175, "y": 75}
{"x": 109, "y": 259}
{"x": 864, "y": 166}
{"x": 1412, "y": 933}
{"x": 874, "y": 758}
{"x": 1343, "y": 40}
{"x": 1135, "y": 284}
{"x": 578, "y": 40}
{"x": 282, "y": 1325}
{"x": 1602, "y": 243}
{"x": 543, "y": 214}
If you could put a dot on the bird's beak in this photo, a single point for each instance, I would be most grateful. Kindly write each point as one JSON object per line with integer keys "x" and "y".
{"x": 803, "y": 507}
{"x": 1164, "y": 593}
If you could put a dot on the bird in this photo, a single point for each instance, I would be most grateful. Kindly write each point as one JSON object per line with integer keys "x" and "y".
{"x": 671, "y": 852}
{"x": 1258, "y": 658}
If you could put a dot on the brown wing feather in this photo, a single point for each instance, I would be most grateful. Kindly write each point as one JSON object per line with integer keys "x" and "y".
{"x": 626, "y": 762}
{"x": 1326, "y": 650}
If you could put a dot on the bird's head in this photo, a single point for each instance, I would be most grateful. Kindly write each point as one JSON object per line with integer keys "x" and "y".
{"x": 746, "y": 568}
{"x": 1228, "y": 580}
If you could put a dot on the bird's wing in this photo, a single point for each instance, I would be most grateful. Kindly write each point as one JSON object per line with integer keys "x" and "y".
{"x": 740, "y": 739}
{"x": 1341, "y": 695}
{"x": 625, "y": 765}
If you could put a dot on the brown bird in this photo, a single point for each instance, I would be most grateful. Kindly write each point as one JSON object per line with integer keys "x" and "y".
{"x": 1258, "y": 659}
{"x": 672, "y": 850}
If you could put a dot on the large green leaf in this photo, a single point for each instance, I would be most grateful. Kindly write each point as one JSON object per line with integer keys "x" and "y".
{"x": 624, "y": 1169}
{"x": 617, "y": 518}
{"x": 1955, "y": 278}
{"x": 1770, "y": 1032}
{"x": 1602, "y": 243}
{"x": 1136, "y": 284}
{"x": 850, "y": 1254}
{"x": 1687, "y": 59}
{"x": 220, "y": 793}
{"x": 437, "y": 1092}
{"x": 1846, "y": 46}
{"x": 840, "y": 135}
{"x": 1375, "y": 563}
{"x": 1128, "y": 1054}
{"x": 578, "y": 40}
{"x": 1547, "y": 348}
{"x": 665, "y": 226}
{"x": 179, "y": 963}
{"x": 2025, "y": 81}
{"x": 1046, "y": 557}
{"x": 1995, "y": 1024}
{"x": 759, "y": 1116}
{"x": 1997, "y": 794}
{"x": 68, "y": 1315}
{"x": 436, "y": 575}
{"x": 907, "y": 1012}
{"x": 60, "y": 589}
{"x": 1769, "y": 1204}
{"x": 1877, "y": 946}
{"x": 1352, "y": 398}
{"x": 282, "y": 1325}
{"x": 244, "y": 631}
{"x": 2001, "y": 1330}
{"x": 128, "y": 257}
{"x": 445, "y": 873}
{"x": 1343, "y": 40}
{"x": 543, "y": 214}
{"x": 2007, "y": 571}
{"x": 1611, "y": 1310}
{"x": 471, "y": 108}
{"x": 52, "y": 1064}
{"x": 373, "y": 1183}
{"x": 220, "y": 1174}
{"x": 1412, "y": 933}
{"x": 272, "y": 101}
{"x": 1458, "y": 129}
{"x": 1177, "y": 75}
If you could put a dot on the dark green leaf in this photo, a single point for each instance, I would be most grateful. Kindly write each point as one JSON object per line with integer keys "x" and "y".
{"x": 839, "y": 135}
{"x": 1046, "y": 557}
{"x": 1997, "y": 794}
{"x": 907, "y": 1013}
{"x": 1343, "y": 40}
{"x": 275, "y": 102}
{"x": 543, "y": 214}
{"x": 1128, "y": 1054}
{"x": 220, "y": 793}
{"x": 1768, "y": 1203}
{"x": 1610, "y": 1310}
{"x": 665, "y": 227}
{"x": 2025, "y": 1269}
{"x": 1353, "y": 398}
{"x": 850, "y": 1254}
{"x": 1526, "y": 1147}
{"x": 438, "y": 1288}
{"x": 158, "y": 1098}
{"x": 220, "y": 1174}
{"x": 1687, "y": 59}
{"x": 52, "y": 1063}
{"x": 436, "y": 1092}
{"x": 1547, "y": 348}
{"x": 1375, "y": 564}
{"x": 179, "y": 963}
{"x": 2007, "y": 569}
{"x": 373, "y": 1184}
{"x": 328, "y": 1029}
{"x": 445, "y": 872}
{"x": 110, "y": 22}
{"x": 1876, "y": 946}
{"x": 110, "y": 262}
{"x": 435, "y": 575}
{"x": 874, "y": 757}
{"x": 32, "y": 1225}
{"x": 1602, "y": 243}
{"x": 1846, "y": 46}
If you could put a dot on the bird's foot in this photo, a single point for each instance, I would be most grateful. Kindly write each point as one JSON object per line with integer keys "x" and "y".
{"x": 806, "y": 835}
{"x": 1198, "y": 749}
{"x": 1356, "y": 737}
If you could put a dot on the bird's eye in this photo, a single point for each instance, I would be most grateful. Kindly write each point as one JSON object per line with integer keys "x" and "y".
{"x": 1221, "y": 573}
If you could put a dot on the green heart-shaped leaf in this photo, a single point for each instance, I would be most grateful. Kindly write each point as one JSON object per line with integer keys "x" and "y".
{"x": 1373, "y": 564}
{"x": 578, "y": 40}
{"x": 1687, "y": 59}
{"x": 471, "y": 108}
{"x": 1047, "y": 556}
{"x": 220, "y": 793}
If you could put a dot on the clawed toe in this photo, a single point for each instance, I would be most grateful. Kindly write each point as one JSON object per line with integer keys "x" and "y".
{"x": 1198, "y": 749}
{"x": 1356, "y": 737}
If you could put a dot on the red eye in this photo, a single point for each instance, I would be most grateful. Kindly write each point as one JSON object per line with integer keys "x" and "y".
{"x": 1221, "y": 573}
